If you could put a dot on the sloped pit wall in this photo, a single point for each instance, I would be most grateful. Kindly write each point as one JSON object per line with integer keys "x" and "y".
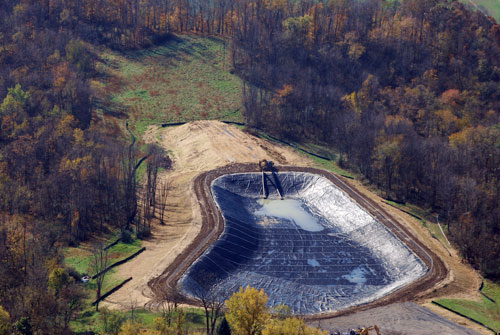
{"x": 339, "y": 258}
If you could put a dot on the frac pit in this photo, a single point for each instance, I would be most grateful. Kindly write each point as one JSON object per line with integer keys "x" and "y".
{"x": 315, "y": 251}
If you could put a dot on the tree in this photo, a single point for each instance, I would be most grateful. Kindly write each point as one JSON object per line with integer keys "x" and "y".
{"x": 58, "y": 279}
{"x": 223, "y": 328}
{"x": 247, "y": 311}
{"x": 23, "y": 326}
{"x": 99, "y": 263}
{"x": 385, "y": 161}
{"x": 162, "y": 327}
{"x": 78, "y": 55}
{"x": 169, "y": 301}
{"x": 130, "y": 328}
{"x": 71, "y": 300}
{"x": 211, "y": 297}
{"x": 16, "y": 101}
{"x": 180, "y": 322}
{"x": 162, "y": 197}
{"x": 281, "y": 311}
{"x": 13, "y": 112}
{"x": 111, "y": 321}
{"x": 4, "y": 322}
{"x": 291, "y": 326}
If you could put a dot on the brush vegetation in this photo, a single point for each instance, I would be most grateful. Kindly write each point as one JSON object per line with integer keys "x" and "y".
{"x": 184, "y": 79}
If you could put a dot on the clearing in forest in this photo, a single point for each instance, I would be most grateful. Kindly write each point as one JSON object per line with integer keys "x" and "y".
{"x": 186, "y": 78}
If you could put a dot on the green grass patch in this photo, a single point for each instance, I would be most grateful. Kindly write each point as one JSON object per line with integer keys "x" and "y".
{"x": 330, "y": 166}
{"x": 324, "y": 151}
{"x": 492, "y": 7}
{"x": 140, "y": 172}
{"x": 187, "y": 78}
{"x": 408, "y": 208}
{"x": 436, "y": 232}
{"x": 492, "y": 290}
{"x": 415, "y": 210}
{"x": 483, "y": 311}
{"x": 78, "y": 259}
{"x": 81, "y": 259}
{"x": 89, "y": 320}
{"x": 122, "y": 250}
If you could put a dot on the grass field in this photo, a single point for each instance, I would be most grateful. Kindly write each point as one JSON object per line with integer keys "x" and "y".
{"x": 330, "y": 165}
{"x": 492, "y": 290}
{"x": 80, "y": 260}
{"x": 89, "y": 319}
{"x": 484, "y": 311}
{"x": 187, "y": 78}
{"x": 492, "y": 7}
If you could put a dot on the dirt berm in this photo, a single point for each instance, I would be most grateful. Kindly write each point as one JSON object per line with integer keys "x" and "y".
{"x": 213, "y": 226}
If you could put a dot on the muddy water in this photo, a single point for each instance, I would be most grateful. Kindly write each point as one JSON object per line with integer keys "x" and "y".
{"x": 289, "y": 209}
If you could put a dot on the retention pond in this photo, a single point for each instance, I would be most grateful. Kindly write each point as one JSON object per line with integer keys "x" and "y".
{"x": 316, "y": 250}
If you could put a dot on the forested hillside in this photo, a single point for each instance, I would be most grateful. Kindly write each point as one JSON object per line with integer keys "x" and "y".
{"x": 407, "y": 91}
{"x": 63, "y": 174}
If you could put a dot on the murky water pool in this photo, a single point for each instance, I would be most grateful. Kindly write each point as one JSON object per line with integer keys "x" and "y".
{"x": 289, "y": 209}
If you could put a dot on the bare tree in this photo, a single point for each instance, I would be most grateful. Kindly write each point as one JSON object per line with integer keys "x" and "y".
{"x": 167, "y": 308}
{"x": 169, "y": 301}
{"x": 162, "y": 196}
{"x": 143, "y": 227}
{"x": 211, "y": 297}
{"x": 133, "y": 308}
{"x": 155, "y": 159}
{"x": 99, "y": 263}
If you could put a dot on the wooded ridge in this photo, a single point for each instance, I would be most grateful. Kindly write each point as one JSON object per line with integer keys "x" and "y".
{"x": 407, "y": 92}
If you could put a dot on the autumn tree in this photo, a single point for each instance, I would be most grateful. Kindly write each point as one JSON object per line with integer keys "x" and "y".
{"x": 247, "y": 312}
{"x": 291, "y": 326}
{"x": 14, "y": 112}
{"x": 418, "y": 123}
{"x": 5, "y": 325}
{"x": 111, "y": 321}
{"x": 130, "y": 328}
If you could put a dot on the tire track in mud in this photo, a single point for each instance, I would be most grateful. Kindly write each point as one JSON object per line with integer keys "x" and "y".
{"x": 213, "y": 225}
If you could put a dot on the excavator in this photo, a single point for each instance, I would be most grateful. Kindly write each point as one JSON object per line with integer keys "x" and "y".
{"x": 364, "y": 331}
{"x": 265, "y": 165}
